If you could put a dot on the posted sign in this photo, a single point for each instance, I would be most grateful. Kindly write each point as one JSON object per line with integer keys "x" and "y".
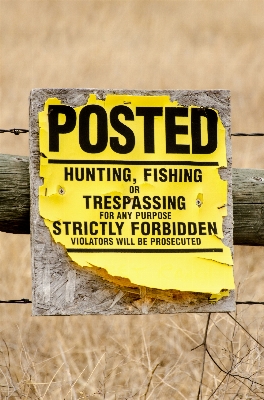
{"x": 135, "y": 187}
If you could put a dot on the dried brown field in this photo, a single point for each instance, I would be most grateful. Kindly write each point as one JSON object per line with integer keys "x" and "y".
{"x": 141, "y": 44}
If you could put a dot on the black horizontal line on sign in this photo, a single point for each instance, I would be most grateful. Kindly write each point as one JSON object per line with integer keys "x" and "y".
{"x": 145, "y": 251}
{"x": 125, "y": 162}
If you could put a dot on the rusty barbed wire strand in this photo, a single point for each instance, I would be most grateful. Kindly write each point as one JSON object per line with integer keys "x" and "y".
{"x": 250, "y": 303}
{"x": 17, "y": 131}
{"x": 27, "y": 301}
{"x": 247, "y": 134}
{"x": 21, "y": 301}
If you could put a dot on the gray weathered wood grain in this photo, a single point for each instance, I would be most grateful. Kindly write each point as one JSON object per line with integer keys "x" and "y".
{"x": 14, "y": 194}
{"x": 248, "y": 198}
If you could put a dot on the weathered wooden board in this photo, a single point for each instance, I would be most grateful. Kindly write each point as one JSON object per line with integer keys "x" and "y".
{"x": 14, "y": 194}
{"x": 61, "y": 287}
{"x": 248, "y": 198}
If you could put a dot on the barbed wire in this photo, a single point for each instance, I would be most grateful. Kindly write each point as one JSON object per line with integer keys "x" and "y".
{"x": 21, "y": 301}
{"x": 17, "y": 131}
{"x": 247, "y": 134}
{"x": 27, "y": 301}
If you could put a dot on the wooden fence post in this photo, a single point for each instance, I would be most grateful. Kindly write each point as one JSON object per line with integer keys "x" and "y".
{"x": 14, "y": 194}
{"x": 248, "y": 199}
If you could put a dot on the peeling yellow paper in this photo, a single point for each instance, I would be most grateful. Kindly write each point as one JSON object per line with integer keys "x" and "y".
{"x": 126, "y": 189}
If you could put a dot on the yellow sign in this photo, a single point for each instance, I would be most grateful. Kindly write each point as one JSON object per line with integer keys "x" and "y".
{"x": 132, "y": 186}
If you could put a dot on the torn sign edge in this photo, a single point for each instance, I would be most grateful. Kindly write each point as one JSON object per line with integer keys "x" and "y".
{"x": 77, "y": 97}
{"x": 116, "y": 266}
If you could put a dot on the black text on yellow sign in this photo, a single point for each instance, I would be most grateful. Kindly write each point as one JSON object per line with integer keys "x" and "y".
{"x": 138, "y": 176}
{"x": 151, "y": 138}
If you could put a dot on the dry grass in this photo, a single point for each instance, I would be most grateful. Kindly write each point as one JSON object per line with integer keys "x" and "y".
{"x": 194, "y": 44}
